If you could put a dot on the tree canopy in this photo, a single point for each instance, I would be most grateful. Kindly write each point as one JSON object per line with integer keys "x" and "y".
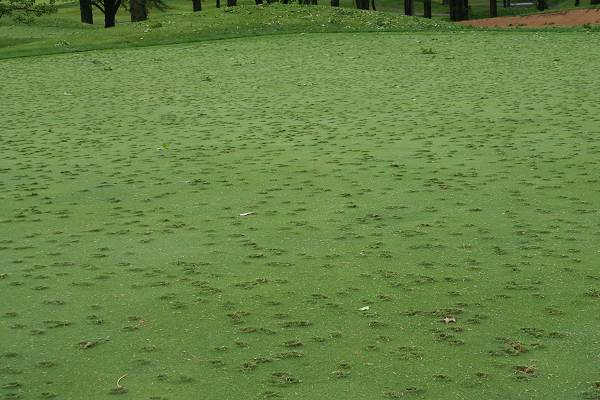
{"x": 25, "y": 10}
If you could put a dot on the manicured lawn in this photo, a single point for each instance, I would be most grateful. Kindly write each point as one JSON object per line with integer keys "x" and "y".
{"x": 387, "y": 188}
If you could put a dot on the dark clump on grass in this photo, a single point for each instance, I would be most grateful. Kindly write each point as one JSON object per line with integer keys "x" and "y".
{"x": 283, "y": 379}
{"x": 593, "y": 393}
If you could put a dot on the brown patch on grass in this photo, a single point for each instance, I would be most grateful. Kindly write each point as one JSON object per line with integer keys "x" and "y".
{"x": 562, "y": 18}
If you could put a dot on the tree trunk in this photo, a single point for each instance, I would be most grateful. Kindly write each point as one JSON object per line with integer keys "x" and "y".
{"x": 335, "y": 3}
{"x": 313, "y": 2}
{"x": 466, "y": 9}
{"x": 427, "y": 8}
{"x": 457, "y": 9}
{"x": 373, "y": 5}
{"x": 138, "y": 10}
{"x": 85, "y": 7}
{"x": 218, "y": 4}
{"x": 592, "y": 2}
{"x": 408, "y": 7}
{"x": 197, "y": 5}
{"x": 362, "y": 4}
{"x": 257, "y": 2}
{"x": 542, "y": 5}
{"x": 110, "y": 11}
{"x": 231, "y": 3}
{"x": 109, "y": 20}
{"x": 493, "y": 8}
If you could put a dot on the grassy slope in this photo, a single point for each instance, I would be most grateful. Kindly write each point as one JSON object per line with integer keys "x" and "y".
{"x": 421, "y": 185}
{"x": 63, "y": 33}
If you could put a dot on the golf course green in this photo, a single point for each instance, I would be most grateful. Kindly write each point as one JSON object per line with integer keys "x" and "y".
{"x": 351, "y": 215}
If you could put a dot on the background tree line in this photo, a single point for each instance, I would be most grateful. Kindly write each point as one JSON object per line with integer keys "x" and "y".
{"x": 26, "y": 10}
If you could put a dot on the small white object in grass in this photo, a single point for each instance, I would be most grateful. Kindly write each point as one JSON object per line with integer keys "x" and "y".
{"x": 449, "y": 319}
{"x": 244, "y": 214}
{"x": 365, "y": 308}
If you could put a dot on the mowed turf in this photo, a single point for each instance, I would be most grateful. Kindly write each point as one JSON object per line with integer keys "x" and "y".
{"x": 388, "y": 189}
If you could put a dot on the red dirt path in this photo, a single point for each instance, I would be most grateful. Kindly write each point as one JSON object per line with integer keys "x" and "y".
{"x": 560, "y": 18}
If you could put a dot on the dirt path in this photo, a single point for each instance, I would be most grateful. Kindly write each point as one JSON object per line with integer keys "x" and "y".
{"x": 562, "y": 18}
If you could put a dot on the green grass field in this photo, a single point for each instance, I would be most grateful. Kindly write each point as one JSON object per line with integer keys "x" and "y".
{"x": 63, "y": 33}
{"x": 355, "y": 215}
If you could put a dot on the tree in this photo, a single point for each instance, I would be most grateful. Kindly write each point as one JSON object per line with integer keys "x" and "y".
{"x": 197, "y": 5}
{"x": 457, "y": 10}
{"x": 109, "y": 8}
{"x": 25, "y": 10}
{"x": 138, "y": 7}
{"x": 493, "y": 8}
{"x": 362, "y": 4}
{"x": 138, "y": 10}
{"x": 335, "y": 3}
{"x": 427, "y": 8}
{"x": 408, "y": 7}
{"x": 85, "y": 8}
{"x": 231, "y": 3}
{"x": 542, "y": 5}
